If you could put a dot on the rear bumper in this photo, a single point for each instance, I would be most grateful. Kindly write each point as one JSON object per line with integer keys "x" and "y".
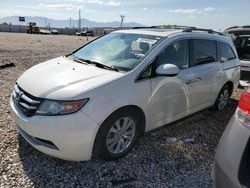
{"x": 229, "y": 155}
{"x": 69, "y": 137}
{"x": 220, "y": 178}
{"x": 244, "y": 68}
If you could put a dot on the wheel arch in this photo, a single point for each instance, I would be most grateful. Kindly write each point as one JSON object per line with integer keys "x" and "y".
{"x": 231, "y": 86}
{"x": 131, "y": 108}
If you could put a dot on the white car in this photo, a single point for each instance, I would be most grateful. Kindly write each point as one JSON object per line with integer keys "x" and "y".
{"x": 242, "y": 44}
{"x": 101, "y": 98}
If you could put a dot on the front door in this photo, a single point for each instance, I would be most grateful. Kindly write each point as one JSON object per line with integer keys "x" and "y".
{"x": 172, "y": 97}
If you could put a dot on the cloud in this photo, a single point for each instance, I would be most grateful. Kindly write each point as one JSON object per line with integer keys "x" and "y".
{"x": 220, "y": 15}
{"x": 144, "y": 8}
{"x": 60, "y": 6}
{"x": 193, "y": 12}
{"x": 105, "y": 2}
{"x": 4, "y": 11}
{"x": 185, "y": 11}
{"x": 208, "y": 9}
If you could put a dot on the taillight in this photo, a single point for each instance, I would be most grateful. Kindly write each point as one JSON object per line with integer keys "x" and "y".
{"x": 244, "y": 103}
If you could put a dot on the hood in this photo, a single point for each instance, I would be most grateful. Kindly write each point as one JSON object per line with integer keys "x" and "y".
{"x": 63, "y": 79}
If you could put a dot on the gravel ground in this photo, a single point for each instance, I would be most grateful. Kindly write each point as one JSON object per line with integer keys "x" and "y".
{"x": 177, "y": 155}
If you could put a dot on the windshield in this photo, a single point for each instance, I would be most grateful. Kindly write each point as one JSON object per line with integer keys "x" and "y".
{"x": 119, "y": 50}
{"x": 242, "y": 45}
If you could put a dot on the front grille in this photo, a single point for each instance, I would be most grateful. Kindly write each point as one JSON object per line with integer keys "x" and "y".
{"x": 25, "y": 102}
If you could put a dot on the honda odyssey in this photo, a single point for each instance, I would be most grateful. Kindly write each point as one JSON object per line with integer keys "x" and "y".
{"x": 99, "y": 99}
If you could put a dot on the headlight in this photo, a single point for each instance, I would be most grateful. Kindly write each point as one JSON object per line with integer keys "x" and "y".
{"x": 50, "y": 107}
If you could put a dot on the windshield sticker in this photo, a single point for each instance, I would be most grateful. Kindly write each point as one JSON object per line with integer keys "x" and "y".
{"x": 150, "y": 41}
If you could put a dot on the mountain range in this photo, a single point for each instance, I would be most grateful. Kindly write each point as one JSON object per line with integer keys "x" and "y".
{"x": 42, "y": 21}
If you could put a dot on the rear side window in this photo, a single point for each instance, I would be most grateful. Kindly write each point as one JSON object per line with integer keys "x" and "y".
{"x": 204, "y": 51}
{"x": 226, "y": 52}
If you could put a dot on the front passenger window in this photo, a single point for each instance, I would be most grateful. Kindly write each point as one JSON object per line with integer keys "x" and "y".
{"x": 177, "y": 54}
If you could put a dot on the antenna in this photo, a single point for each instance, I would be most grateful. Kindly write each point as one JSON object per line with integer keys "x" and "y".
{"x": 122, "y": 19}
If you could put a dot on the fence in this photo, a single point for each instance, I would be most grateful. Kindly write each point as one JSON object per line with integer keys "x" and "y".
{"x": 65, "y": 31}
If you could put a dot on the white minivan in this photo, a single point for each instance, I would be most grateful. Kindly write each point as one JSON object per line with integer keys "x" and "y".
{"x": 99, "y": 99}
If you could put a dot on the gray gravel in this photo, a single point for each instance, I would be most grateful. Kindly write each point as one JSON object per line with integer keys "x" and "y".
{"x": 177, "y": 155}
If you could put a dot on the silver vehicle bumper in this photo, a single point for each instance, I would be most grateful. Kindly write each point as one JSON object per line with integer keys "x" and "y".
{"x": 229, "y": 159}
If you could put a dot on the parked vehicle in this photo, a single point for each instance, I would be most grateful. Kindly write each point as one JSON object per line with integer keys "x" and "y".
{"x": 231, "y": 166}
{"x": 32, "y": 28}
{"x": 241, "y": 37}
{"x": 78, "y": 34}
{"x": 101, "y": 98}
{"x": 242, "y": 44}
{"x": 54, "y": 32}
{"x": 44, "y": 32}
{"x": 87, "y": 33}
{"x": 238, "y": 30}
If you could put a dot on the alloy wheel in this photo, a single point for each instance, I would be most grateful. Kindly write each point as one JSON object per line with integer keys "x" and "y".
{"x": 121, "y": 135}
{"x": 223, "y": 99}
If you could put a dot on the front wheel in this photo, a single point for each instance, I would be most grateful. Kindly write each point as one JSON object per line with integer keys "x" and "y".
{"x": 222, "y": 98}
{"x": 117, "y": 135}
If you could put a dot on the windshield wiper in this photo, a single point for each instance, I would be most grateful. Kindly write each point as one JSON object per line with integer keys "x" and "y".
{"x": 80, "y": 61}
{"x": 100, "y": 65}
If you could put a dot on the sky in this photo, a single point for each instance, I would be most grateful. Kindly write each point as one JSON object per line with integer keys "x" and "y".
{"x": 215, "y": 14}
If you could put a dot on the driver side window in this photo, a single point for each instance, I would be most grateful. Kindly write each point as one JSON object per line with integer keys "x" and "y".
{"x": 177, "y": 53}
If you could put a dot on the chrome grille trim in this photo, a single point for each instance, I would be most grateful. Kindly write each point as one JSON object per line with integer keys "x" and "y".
{"x": 27, "y": 106}
{"x": 29, "y": 100}
{"x": 24, "y": 101}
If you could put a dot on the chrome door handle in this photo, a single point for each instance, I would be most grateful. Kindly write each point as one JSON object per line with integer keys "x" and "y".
{"x": 190, "y": 81}
{"x": 197, "y": 79}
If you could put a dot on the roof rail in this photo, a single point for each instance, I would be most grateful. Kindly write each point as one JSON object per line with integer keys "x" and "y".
{"x": 143, "y": 27}
{"x": 210, "y": 31}
{"x": 148, "y": 27}
{"x": 233, "y": 27}
{"x": 164, "y": 27}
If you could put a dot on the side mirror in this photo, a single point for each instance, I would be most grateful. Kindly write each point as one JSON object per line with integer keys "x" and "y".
{"x": 167, "y": 70}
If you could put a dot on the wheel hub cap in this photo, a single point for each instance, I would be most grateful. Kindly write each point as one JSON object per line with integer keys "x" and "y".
{"x": 223, "y": 99}
{"x": 120, "y": 135}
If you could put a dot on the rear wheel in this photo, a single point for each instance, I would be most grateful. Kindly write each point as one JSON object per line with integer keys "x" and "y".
{"x": 222, "y": 98}
{"x": 117, "y": 135}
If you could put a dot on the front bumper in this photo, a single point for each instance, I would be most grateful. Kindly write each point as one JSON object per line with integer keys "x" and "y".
{"x": 229, "y": 154}
{"x": 68, "y": 137}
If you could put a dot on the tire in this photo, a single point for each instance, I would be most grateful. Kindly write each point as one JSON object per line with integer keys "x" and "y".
{"x": 222, "y": 98}
{"x": 119, "y": 129}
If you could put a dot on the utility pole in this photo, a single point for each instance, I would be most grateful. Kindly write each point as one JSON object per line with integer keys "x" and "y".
{"x": 70, "y": 22}
{"x": 79, "y": 22}
{"x": 122, "y": 19}
{"x": 45, "y": 21}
